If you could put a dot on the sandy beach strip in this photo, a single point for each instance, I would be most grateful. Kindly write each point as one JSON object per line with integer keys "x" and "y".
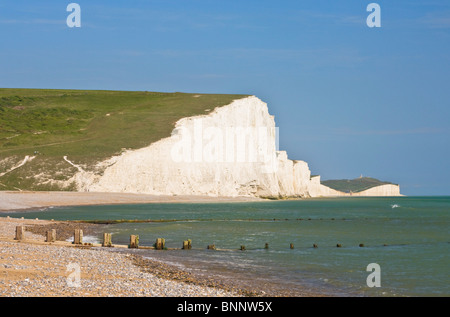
{"x": 34, "y": 268}
{"x": 17, "y": 201}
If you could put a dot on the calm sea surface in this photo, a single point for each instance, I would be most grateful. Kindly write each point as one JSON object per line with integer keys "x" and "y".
{"x": 408, "y": 237}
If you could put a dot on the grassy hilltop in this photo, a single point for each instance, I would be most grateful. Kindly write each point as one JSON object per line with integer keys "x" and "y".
{"x": 88, "y": 126}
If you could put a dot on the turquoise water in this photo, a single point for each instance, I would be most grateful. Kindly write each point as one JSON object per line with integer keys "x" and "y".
{"x": 407, "y": 236}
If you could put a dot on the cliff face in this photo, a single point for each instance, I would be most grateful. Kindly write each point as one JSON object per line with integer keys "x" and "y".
{"x": 383, "y": 190}
{"x": 229, "y": 152}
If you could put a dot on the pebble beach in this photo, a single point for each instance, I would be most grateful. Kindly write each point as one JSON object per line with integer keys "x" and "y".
{"x": 34, "y": 268}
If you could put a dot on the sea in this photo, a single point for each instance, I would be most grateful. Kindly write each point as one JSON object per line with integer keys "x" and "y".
{"x": 382, "y": 246}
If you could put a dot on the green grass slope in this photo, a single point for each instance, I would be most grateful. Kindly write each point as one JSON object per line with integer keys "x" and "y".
{"x": 88, "y": 126}
{"x": 353, "y": 185}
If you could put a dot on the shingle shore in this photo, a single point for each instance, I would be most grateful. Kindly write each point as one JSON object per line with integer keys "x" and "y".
{"x": 33, "y": 270}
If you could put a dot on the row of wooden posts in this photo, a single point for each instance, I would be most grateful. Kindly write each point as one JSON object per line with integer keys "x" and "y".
{"x": 107, "y": 239}
{"x": 134, "y": 240}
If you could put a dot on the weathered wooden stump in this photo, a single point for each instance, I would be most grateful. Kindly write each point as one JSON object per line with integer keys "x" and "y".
{"x": 242, "y": 247}
{"x": 78, "y": 236}
{"x": 211, "y": 247}
{"x": 266, "y": 246}
{"x": 339, "y": 245}
{"x": 187, "y": 245}
{"x": 20, "y": 233}
{"x": 134, "y": 241}
{"x": 51, "y": 235}
{"x": 315, "y": 246}
{"x": 107, "y": 240}
{"x": 291, "y": 245}
{"x": 160, "y": 244}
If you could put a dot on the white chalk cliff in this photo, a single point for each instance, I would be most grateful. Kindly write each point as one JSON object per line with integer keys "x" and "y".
{"x": 316, "y": 189}
{"x": 231, "y": 151}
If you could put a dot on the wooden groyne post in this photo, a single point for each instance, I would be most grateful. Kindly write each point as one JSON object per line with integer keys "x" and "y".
{"x": 211, "y": 247}
{"x": 187, "y": 244}
{"x": 134, "y": 241}
{"x": 20, "y": 233}
{"x": 51, "y": 235}
{"x": 160, "y": 244}
{"x": 107, "y": 241}
{"x": 78, "y": 236}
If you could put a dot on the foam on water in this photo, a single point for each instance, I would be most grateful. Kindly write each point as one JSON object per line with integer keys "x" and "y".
{"x": 87, "y": 239}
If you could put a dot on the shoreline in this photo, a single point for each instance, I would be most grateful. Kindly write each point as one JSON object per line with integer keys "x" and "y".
{"x": 23, "y": 267}
{"x": 20, "y": 201}
{"x": 11, "y": 201}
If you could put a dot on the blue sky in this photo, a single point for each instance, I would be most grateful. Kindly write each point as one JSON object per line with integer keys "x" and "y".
{"x": 348, "y": 99}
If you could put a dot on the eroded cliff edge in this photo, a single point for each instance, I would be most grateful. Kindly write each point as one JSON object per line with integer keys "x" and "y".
{"x": 232, "y": 151}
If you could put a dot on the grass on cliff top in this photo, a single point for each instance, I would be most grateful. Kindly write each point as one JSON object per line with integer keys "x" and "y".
{"x": 353, "y": 185}
{"x": 92, "y": 125}
{"x": 86, "y": 125}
